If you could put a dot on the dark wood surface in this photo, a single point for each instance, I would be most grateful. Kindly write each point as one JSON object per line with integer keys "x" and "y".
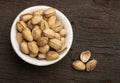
{"x": 96, "y": 28}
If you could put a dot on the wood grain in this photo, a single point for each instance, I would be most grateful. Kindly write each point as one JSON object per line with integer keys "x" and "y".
{"x": 96, "y": 28}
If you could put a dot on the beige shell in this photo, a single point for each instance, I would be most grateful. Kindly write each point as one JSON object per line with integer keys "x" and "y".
{"x": 30, "y": 25}
{"x": 63, "y": 32}
{"x": 78, "y": 65}
{"x": 90, "y": 66}
{"x": 42, "y": 41}
{"x": 44, "y": 25}
{"x": 19, "y": 37}
{"x": 49, "y": 33}
{"x": 20, "y": 25}
{"x": 36, "y": 32}
{"x": 63, "y": 48}
{"x": 38, "y": 12}
{"x": 55, "y": 44}
{"x": 24, "y": 47}
{"x": 63, "y": 40}
{"x": 44, "y": 49}
{"x": 27, "y": 34}
{"x": 57, "y": 36}
{"x": 33, "y": 47}
{"x": 52, "y": 21}
{"x": 26, "y": 17}
{"x": 49, "y": 12}
{"x": 52, "y": 55}
{"x": 85, "y": 56}
{"x": 41, "y": 56}
{"x": 36, "y": 19}
{"x": 58, "y": 26}
{"x": 33, "y": 55}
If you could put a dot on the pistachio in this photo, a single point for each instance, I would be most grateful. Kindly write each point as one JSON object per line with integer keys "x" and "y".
{"x": 38, "y": 12}
{"x": 41, "y": 56}
{"x": 49, "y": 12}
{"x": 44, "y": 49}
{"x": 20, "y": 25}
{"x": 58, "y": 26}
{"x": 90, "y": 66}
{"x": 42, "y": 41}
{"x": 33, "y": 55}
{"x": 78, "y": 65}
{"x": 30, "y": 25}
{"x": 49, "y": 33}
{"x": 57, "y": 36}
{"x": 52, "y": 21}
{"x": 27, "y": 34}
{"x": 19, "y": 37}
{"x": 52, "y": 55}
{"x": 33, "y": 47}
{"x": 36, "y": 32}
{"x": 26, "y": 17}
{"x": 55, "y": 44}
{"x": 36, "y": 19}
{"x": 64, "y": 47}
{"x": 44, "y": 25}
{"x": 85, "y": 56}
{"x": 62, "y": 40}
{"x": 24, "y": 47}
{"x": 63, "y": 32}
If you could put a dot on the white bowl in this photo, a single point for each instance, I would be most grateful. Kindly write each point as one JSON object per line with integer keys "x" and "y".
{"x": 34, "y": 61}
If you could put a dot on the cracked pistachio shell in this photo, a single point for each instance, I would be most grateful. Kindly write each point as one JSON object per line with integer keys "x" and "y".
{"x": 90, "y": 66}
{"x": 78, "y": 65}
{"x": 85, "y": 56}
{"x": 27, "y": 34}
{"x": 36, "y": 19}
{"x": 49, "y": 12}
{"x": 44, "y": 49}
{"x": 63, "y": 48}
{"x": 58, "y": 26}
{"x": 52, "y": 55}
{"x": 30, "y": 25}
{"x": 26, "y": 17}
{"x": 38, "y": 12}
{"x": 19, "y": 37}
{"x": 24, "y": 47}
{"x": 36, "y": 32}
{"x": 20, "y": 25}
{"x": 52, "y": 21}
{"x": 49, "y": 33}
{"x": 55, "y": 44}
{"x": 63, "y": 32}
{"x": 44, "y": 25}
{"x": 33, "y": 47}
{"x": 41, "y": 56}
{"x": 42, "y": 41}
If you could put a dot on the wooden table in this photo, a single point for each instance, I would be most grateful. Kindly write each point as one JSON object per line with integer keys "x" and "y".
{"x": 96, "y": 28}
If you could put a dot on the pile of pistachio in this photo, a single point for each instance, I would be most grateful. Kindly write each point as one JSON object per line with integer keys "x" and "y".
{"x": 85, "y": 63}
{"x": 41, "y": 34}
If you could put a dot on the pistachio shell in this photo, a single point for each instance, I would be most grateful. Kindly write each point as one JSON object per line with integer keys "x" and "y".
{"x": 36, "y": 19}
{"x": 64, "y": 47}
{"x": 19, "y": 37}
{"x": 49, "y": 33}
{"x": 63, "y": 40}
{"x": 58, "y": 26}
{"x": 38, "y": 12}
{"x": 20, "y": 25}
{"x": 41, "y": 56}
{"x": 57, "y": 36}
{"x": 42, "y": 41}
{"x": 85, "y": 56}
{"x": 52, "y": 55}
{"x": 55, "y": 44}
{"x": 36, "y": 32}
{"x": 90, "y": 66}
{"x": 33, "y": 47}
{"x": 63, "y": 32}
{"x": 44, "y": 49}
{"x": 44, "y": 25}
{"x": 26, "y": 17}
{"x": 24, "y": 47}
{"x": 33, "y": 55}
{"x": 49, "y": 12}
{"x": 52, "y": 21}
{"x": 78, "y": 65}
{"x": 30, "y": 25}
{"x": 27, "y": 34}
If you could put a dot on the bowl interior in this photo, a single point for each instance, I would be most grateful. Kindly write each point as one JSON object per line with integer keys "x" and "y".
{"x": 34, "y": 61}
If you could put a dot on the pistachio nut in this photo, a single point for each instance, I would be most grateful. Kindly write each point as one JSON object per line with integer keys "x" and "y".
{"x": 49, "y": 33}
{"x": 33, "y": 55}
{"x": 58, "y": 26}
{"x": 63, "y": 48}
{"x": 63, "y": 32}
{"x": 49, "y": 12}
{"x": 41, "y": 56}
{"x": 30, "y": 25}
{"x": 90, "y": 66}
{"x": 19, "y": 37}
{"x": 26, "y": 17}
{"x": 44, "y": 49}
{"x": 63, "y": 40}
{"x": 44, "y": 25}
{"x": 52, "y": 55}
{"x": 57, "y": 36}
{"x": 24, "y": 47}
{"x": 20, "y": 25}
{"x": 85, "y": 56}
{"x": 42, "y": 41}
{"x": 38, "y": 12}
{"x": 36, "y": 19}
{"x": 52, "y": 21}
{"x": 78, "y": 65}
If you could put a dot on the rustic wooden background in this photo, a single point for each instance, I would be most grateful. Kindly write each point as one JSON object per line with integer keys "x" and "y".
{"x": 96, "y": 28}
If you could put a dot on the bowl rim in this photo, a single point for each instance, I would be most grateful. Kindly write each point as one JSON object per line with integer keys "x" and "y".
{"x": 14, "y": 47}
